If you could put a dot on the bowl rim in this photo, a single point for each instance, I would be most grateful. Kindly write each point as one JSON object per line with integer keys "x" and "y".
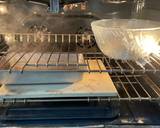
{"x": 127, "y": 29}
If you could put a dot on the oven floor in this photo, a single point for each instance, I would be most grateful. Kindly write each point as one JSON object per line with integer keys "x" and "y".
{"x": 143, "y": 113}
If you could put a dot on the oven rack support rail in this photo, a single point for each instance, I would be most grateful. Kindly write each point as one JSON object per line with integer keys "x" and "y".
{"x": 129, "y": 88}
{"x": 69, "y": 44}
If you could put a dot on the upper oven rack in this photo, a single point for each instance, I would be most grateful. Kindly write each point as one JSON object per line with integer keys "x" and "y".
{"x": 70, "y": 44}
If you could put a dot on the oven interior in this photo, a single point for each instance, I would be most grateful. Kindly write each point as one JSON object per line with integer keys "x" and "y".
{"x": 30, "y": 90}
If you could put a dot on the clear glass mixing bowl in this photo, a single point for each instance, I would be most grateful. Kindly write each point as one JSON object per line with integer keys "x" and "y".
{"x": 127, "y": 39}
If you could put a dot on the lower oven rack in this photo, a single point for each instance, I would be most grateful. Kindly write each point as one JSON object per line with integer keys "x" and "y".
{"x": 129, "y": 87}
{"x": 129, "y": 77}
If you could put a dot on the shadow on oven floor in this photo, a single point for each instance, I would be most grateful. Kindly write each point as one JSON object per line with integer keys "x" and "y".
{"x": 143, "y": 113}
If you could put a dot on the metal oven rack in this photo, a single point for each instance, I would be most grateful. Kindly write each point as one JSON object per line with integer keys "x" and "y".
{"x": 129, "y": 77}
{"x": 129, "y": 87}
{"x": 68, "y": 44}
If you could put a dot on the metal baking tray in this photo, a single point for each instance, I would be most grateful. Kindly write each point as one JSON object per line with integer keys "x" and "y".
{"x": 90, "y": 85}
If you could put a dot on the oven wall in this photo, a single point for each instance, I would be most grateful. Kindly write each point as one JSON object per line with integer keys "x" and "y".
{"x": 151, "y": 10}
{"x": 102, "y": 9}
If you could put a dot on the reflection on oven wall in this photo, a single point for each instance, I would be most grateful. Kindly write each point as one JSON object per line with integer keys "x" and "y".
{"x": 106, "y": 9}
{"x": 143, "y": 9}
{"x": 150, "y": 10}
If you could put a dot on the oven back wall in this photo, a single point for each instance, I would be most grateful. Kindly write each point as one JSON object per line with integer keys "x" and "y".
{"x": 151, "y": 10}
{"x": 103, "y": 9}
